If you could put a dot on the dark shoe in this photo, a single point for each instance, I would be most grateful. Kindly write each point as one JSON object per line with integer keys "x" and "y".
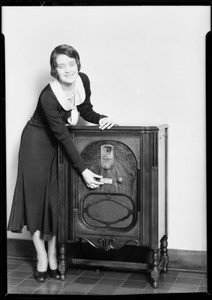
{"x": 54, "y": 274}
{"x": 40, "y": 276}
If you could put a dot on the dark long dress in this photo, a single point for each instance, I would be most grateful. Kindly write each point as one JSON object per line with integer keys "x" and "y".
{"x": 35, "y": 196}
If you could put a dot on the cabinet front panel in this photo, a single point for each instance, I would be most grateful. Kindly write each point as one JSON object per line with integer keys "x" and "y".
{"x": 113, "y": 207}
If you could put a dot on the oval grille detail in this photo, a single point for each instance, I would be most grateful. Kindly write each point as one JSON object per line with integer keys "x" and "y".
{"x": 113, "y": 211}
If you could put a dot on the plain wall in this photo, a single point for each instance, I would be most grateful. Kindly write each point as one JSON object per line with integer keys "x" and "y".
{"x": 146, "y": 65}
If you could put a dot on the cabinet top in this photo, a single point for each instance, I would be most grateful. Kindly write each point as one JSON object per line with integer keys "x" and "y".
{"x": 119, "y": 128}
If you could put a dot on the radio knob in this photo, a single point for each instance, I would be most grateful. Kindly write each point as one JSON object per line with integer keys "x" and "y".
{"x": 119, "y": 180}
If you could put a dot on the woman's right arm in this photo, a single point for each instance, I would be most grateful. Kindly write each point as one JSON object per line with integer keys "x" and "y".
{"x": 50, "y": 107}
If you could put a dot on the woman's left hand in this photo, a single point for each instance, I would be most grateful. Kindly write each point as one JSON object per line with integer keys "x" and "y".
{"x": 106, "y": 123}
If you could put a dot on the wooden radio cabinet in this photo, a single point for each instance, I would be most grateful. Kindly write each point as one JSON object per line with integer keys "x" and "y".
{"x": 130, "y": 208}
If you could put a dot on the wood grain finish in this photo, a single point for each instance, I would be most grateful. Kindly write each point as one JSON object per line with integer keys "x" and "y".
{"x": 132, "y": 208}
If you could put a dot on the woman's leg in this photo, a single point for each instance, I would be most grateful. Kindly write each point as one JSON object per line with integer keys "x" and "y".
{"x": 52, "y": 252}
{"x": 42, "y": 264}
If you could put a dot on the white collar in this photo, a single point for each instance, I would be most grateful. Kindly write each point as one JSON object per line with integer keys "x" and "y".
{"x": 79, "y": 93}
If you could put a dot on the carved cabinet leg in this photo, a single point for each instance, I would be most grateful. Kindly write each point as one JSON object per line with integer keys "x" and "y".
{"x": 155, "y": 269}
{"x": 79, "y": 248}
{"x": 164, "y": 254}
{"x": 62, "y": 261}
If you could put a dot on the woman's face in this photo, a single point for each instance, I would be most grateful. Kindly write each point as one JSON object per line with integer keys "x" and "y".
{"x": 67, "y": 69}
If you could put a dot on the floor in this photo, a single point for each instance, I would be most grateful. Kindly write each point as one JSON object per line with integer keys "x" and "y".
{"x": 100, "y": 282}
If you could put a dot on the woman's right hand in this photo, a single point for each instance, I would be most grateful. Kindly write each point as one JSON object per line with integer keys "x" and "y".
{"x": 90, "y": 179}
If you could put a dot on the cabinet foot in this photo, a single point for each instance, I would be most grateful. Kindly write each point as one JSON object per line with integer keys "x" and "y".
{"x": 155, "y": 284}
{"x": 155, "y": 269}
{"x": 62, "y": 261}
{"x": 62, "y": 277}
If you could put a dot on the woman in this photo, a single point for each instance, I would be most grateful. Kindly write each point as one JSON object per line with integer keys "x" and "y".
{"x": 35, "y": 196}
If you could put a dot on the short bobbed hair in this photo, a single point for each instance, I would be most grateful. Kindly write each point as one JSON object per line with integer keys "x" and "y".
{"x": 63, "y": 49}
